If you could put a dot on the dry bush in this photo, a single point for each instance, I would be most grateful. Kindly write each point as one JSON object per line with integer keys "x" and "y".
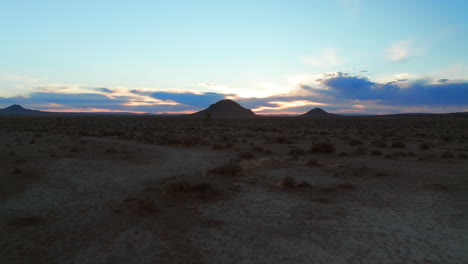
{"x": 376, "y": 152}
{"x": 355, "y": 142}
{"x": 282, "y": 140}
{"x": 177, "y": 187}
{"x": 447, "y": 155}
{"x": 206, "y": 191}
{"x": 228, "y": 169}
{"x": 217, "y": 147}
{"x": 303, "y": 184}
{"x": 246, "y": 155}
{"x": 111, "y": 151}
{"x": 423, "y": 146}
{"x": 323, "y": 200}
{"x": 182, "y": 187}
{"x": 323, "y": 147}
{"x": 347, "y": 186}
{"x": 462, "y": 156}
{"x": 288, "y": 182}
{"x": 297, "y": 151}
{"x": 360, "y": 151}
{"x": 313, "y": 162}
{"x": 398, "y": 144}
{"x": 146, "y": 205}
{"x": 258, "y": 149}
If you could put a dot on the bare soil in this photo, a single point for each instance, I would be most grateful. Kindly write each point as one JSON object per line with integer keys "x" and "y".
{"x": 137, "y": 189}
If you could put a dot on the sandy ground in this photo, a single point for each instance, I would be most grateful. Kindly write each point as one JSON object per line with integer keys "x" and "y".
{"x": 84, "y": 199}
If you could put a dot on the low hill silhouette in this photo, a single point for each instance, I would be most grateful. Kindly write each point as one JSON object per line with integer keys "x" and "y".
{"x": 19, "y": 110}
{"x": 317, "y": 112}
{"x": 226, "y": 109}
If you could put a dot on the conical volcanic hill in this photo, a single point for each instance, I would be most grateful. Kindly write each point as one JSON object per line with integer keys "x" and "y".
{"x": 317, "y": 112}
{"x": 226, "y": 109}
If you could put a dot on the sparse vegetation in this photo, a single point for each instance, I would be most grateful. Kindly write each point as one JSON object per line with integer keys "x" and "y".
{"x": 323, "y": 147}
{"x": 288, "y": 182}
{"x": 228, "y": 169}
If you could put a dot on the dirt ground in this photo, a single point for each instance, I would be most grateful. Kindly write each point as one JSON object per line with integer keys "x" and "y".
{"x": 128, "y": 189}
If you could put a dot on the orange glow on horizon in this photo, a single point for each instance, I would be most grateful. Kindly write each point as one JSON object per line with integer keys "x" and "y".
{"x": 92, "y": 110}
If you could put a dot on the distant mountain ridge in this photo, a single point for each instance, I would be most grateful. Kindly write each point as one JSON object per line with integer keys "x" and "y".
{"x": 226, "y": 109}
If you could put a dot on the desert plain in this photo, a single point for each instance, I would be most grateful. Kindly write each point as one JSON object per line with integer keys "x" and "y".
{"x": 152, "y": 189}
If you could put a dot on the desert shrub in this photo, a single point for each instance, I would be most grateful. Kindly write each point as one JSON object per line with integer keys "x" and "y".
{"x": 355, "y": 142}
{"x": 183, "y": 187}
{"x": 323, "y": 147}
{"x": 246, "y": 155}
{"x": 360, "y": 151}
{"x": 282, "y": 140}
{"x": 462, "y": 156}
{"x": 297, "y": 151}
{"x": 343, "y": 154}
{"x": 347, "y": 186}
{"x": 111, "y": 151}
{"x": 303, "y": 184}
{"x": 258, "y": 149}
{"x": 447, "y": 155}
{"x": 217, "y": 146}
{"x": 376, "y": 152}
{"x": 189, "y": 142}
{"x": 288, "y": 182}
{"x": 398, "y": 144}
{"x": 313, "y": 162}
{"x": 267, "y": 151}
{"x": 177, "y": 187}
{"x": 230, "y": 169}
{"x": 146, "y": 206}
{"x": 205, "y": 191}
{"x": 378, "y": 143}
{"x": 423, "y": 146}
{"x": 323, "y": 200}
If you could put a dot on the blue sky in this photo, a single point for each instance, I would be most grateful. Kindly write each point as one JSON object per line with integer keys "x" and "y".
{"x": 350, "y": 56}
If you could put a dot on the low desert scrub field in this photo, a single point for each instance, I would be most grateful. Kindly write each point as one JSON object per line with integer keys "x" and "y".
{"x": 148, "y": 189}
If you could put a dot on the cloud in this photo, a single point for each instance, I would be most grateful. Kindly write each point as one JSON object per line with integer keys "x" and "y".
{"x": 281, "y": 105}
{"x": 104, "y": 90}
{"x": 186, "y": 98}
{"x": 328, "y": 57}
{"x": 399, "y": 51}
{"x": 398, "y": 92}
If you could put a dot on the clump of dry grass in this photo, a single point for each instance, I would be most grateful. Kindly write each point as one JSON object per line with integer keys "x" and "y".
{"x": 111, "y": 151}
{"x": 313, "y": 162}
{"x": 288, "y": 182}
{"x": 423, "y": 146}
{"x": 182, "y": 187}
{"x": 146, "y": 205}
{"x": 282, "y": 140}
{"x": 398, "y": 144}
{"x": 347, "y": 186}
{"x": 297, "y": 151}
{"x": 447, "y": 155}
{"x": 323, "y": 147}
{"x": 228, "y": 169}
{"x": 217, "y": 147}
{"x": 246, "y": 155}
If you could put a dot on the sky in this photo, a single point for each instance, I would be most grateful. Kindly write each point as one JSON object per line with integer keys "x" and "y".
{"x": 274, "y": 57}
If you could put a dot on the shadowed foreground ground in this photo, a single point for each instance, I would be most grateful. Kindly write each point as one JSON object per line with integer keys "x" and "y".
{"x": 126, "y": 190}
